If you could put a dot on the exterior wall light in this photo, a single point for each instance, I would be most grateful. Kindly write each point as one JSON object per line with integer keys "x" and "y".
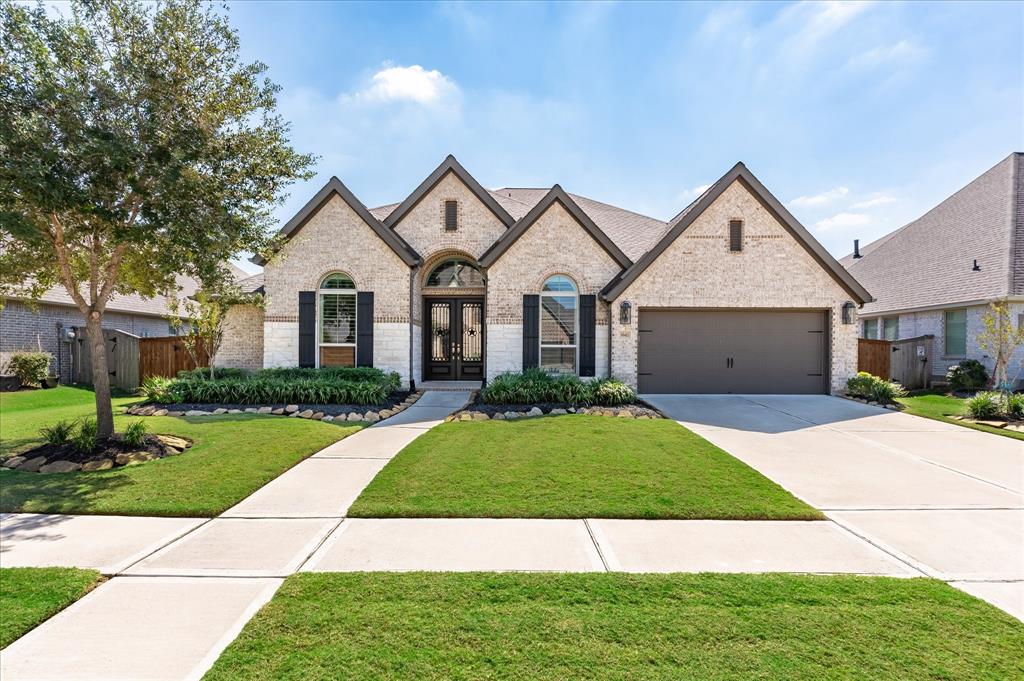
{"x": 848, "y": 312}
{"x": 625, "y": 310}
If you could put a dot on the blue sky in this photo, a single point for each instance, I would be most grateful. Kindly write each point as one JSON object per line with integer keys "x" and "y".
{"x": 859, "y": 117}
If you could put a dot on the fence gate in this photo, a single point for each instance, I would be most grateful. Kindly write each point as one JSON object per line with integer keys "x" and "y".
{"x": 122, "y": 358}
{"x": 874, "y": 357}
{"x": 911, "y": 362}
{"x": 165, "y": 356}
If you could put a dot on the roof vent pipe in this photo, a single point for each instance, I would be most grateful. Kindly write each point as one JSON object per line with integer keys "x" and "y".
{"x": 977, "y": 267}
{"x": 856, "y": 248}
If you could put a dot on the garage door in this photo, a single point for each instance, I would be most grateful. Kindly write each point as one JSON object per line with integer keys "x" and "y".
{"x": 732, "y": 351}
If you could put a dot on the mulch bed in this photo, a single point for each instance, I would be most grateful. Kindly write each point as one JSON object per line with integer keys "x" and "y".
{"x": 392, "y": 400}
{"x": 110, "y": 453}
{"x": 637, "y": 409}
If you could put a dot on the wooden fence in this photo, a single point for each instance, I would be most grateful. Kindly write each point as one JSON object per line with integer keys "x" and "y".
{"x": 165, "y": 356}
{"x": 122, "y": 358}
{"x": 906, "y": 361}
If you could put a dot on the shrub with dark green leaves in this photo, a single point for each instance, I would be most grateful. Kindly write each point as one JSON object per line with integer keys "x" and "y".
{"x": 1015, "y": 405}
{"x": 135, "y": 434}
{"x": 58, "y": 434}
{"x": 203, "y": 373}
{"x": 31, "y": 367}
{"x": 535, "y": 386}
{"x": 985, "y": 405}
{"x": 279, "y": 391}
{"x": 84, "y": 440}
{"x": 968, "y": 374}
{"x": 157, "y": 389}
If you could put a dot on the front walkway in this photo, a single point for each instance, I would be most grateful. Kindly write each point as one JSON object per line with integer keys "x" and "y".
{"x": 946, "y": 500}
{"x": 184, "y": 588}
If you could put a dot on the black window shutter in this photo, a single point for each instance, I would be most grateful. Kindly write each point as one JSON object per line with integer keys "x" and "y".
{"x": 588, "y": 334}
{"x": 451, "y": 215}
{"x": 735, "y": 235}
{"x": 531, "y": 331}
{"x": 364, "y": 329}
{"x": 307, "y": 328}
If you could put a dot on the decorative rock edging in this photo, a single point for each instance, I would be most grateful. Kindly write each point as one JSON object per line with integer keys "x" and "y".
{"x": 895, "y": 407}
{"x": 171, "y": 445}
{"x": 628, "y": 411}
{"x": 291, "y": 411}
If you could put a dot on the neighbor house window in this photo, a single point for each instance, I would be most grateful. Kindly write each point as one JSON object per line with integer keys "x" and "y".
{"x": 891, "y": 328}
{"x": 559, "y": 322}
{"x": 956, "y": 333}
{"x": 336, "y": 325}
{"x": 451, "y": 216}
{"x": 736, "y": 235}
{"x": 871, "y": 329}
{"x": 455, "y": 273}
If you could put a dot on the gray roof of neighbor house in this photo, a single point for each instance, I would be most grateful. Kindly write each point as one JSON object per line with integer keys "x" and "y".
{"x": 930, "y": 261}
{"x": 252, "y": 284}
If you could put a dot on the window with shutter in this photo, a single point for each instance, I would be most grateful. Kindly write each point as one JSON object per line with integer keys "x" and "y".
{"x": 451, "y": 216}
{"x": 735, "y": 235}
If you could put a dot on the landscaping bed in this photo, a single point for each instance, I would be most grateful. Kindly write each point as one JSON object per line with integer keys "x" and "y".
{"x": 574, "y": 467}
{"x": 618, "y": 626}
{"x": 110, "y": 453}
{"x": 953, "y": 408}
{"x": 479, "y": 409}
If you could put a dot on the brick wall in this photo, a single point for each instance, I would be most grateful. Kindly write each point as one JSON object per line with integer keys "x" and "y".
{"x": 554, "y": 244}
{"x": 242, "y": 344}
{"x": 772, "y": 270}
{"x": 21, "y": 329}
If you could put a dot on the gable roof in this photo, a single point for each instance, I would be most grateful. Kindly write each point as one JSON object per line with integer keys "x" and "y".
{"x": 929, "y": 262}
{"x": 449, "y": 165}
{"x": 688, "y": 215}
{"x": 555, "y": 194}
{"x": 334, "y": 187}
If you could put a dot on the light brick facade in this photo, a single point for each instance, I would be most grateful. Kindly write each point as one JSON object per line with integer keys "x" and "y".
{"x": 242, "y": 343}
{"x": 772, "y": 271}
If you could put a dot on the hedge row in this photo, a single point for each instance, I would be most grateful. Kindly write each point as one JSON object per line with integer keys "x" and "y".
{"x": 534, "y": 386}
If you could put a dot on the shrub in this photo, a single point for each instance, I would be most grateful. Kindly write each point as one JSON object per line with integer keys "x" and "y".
{"x": 31, "y": 367}
{"x": 157, "y": 389}
{"x": 535, "y": 386}
{"x": 969, "y": 374}
{"x": 59, "y": 433}
{"x": 874, "y": 388}
{"x": 135, "y": 434}
{"x": 203, "y": 373}
{"x": 860, "y": 385}
{"x": 1015, "y": 405}
{"x": 85, "y": 439}
{"x": 271, "y": 390}
{"x": 985, "y": 405}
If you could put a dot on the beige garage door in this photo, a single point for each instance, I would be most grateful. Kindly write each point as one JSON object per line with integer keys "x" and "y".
{"x": 732, "y": 351}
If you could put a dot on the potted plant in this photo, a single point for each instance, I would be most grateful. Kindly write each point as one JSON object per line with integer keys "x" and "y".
{"x": 50, "y": 381}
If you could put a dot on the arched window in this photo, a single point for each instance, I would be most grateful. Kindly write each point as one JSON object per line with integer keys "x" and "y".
{"x": 455, "y": 273}
{"x": 336, "y": 325}
{"x": 559, "y": 324}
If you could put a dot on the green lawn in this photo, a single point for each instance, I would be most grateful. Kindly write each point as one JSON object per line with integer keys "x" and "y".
{"x": 30, "y": 595}
{"x": 571, "y": 467}
{"x": 617, "y": 626}
{"x": 941, "y": 407}
{"x": 233, "y": 456}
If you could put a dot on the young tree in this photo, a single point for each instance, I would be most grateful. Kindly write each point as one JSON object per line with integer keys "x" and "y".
{"x": 200, "y": 321}
{"x": 134, "y": 145}
{"x": 1000, "y": 338}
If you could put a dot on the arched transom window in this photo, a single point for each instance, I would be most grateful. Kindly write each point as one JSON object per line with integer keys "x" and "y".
{"x": 455, "y": 273}
{"x": 337, "y": 321}
{"x": 559, "y": 324}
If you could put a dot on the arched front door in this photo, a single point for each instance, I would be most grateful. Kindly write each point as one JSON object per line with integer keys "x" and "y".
{"x": 453, "y": 329}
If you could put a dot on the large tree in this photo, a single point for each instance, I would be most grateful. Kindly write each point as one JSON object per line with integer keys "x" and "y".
{"x": 135, "y": 144}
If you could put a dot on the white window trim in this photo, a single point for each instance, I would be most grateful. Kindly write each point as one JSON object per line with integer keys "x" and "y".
{"x": 320, "y": 293}
{"x": 576, "y": 326}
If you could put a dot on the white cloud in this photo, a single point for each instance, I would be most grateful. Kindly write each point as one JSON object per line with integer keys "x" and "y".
{"x": 410, "y": 83}
{"x": 902, "y": 52}
{"x": 842, "y": 220}
{"x": 822, "y": 198}
{"x": 694, "y": 192}
{"x": 874, "y": 202}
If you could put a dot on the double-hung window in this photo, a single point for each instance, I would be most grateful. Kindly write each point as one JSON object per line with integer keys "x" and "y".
{"x": 559, "y": 325}
{"x": 336, "y": 323}
{"x": 956, "y": 333}
{"x": 891, "y": 328}
{"x": 871, "y": 329}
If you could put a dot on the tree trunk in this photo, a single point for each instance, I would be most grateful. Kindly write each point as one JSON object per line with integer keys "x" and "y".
{"x": 100, "y": 376}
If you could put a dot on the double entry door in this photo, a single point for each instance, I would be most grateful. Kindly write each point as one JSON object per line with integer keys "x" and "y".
{"x": 453, "y": 339}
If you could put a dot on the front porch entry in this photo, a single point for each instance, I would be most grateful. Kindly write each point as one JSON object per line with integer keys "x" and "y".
{"x": 453, "y": 339}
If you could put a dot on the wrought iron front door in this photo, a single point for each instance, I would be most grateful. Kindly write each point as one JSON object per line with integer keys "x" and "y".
{"x": 453, "y": 339}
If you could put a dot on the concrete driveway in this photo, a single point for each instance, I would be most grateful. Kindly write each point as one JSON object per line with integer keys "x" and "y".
{"x": 946, "y": 500}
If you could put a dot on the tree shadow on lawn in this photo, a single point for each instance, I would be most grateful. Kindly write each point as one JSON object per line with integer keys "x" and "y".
{"x": 22, "y": 492}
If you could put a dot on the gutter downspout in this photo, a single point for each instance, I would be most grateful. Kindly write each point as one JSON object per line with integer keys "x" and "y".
{"x": 412, "y": 352}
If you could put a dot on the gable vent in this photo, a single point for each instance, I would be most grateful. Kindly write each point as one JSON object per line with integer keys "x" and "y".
{"x": 735, "y": 235}
{"x": 451, "y": 216}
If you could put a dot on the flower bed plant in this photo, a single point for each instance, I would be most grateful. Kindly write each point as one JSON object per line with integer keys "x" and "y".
{"x": 874, "y": 389}
{"x": 967, "y": 375}
{"x": 535, "y": 386}
{"x": 31, "y": 367}
{"x": 335, "y": 385}
{"x": 985, "y": 406}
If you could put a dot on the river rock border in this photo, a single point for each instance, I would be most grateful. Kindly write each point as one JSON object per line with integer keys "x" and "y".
{"x": 627, "y": 411}
{"x": 894, "y": 407}
{"x": 291, "y": 411}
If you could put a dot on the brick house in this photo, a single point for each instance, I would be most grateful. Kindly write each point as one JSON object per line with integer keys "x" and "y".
{"x": 937, "y": 275}
{"x": 458, "y": 282}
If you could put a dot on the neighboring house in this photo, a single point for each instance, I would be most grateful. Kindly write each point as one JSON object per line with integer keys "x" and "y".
{"x": 937, "y": 275}
{"x": 45, "y": 326}
{"x": 458, "y": 282}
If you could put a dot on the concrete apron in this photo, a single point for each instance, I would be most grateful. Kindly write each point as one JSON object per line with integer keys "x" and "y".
{"x": 944, "y": 500}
